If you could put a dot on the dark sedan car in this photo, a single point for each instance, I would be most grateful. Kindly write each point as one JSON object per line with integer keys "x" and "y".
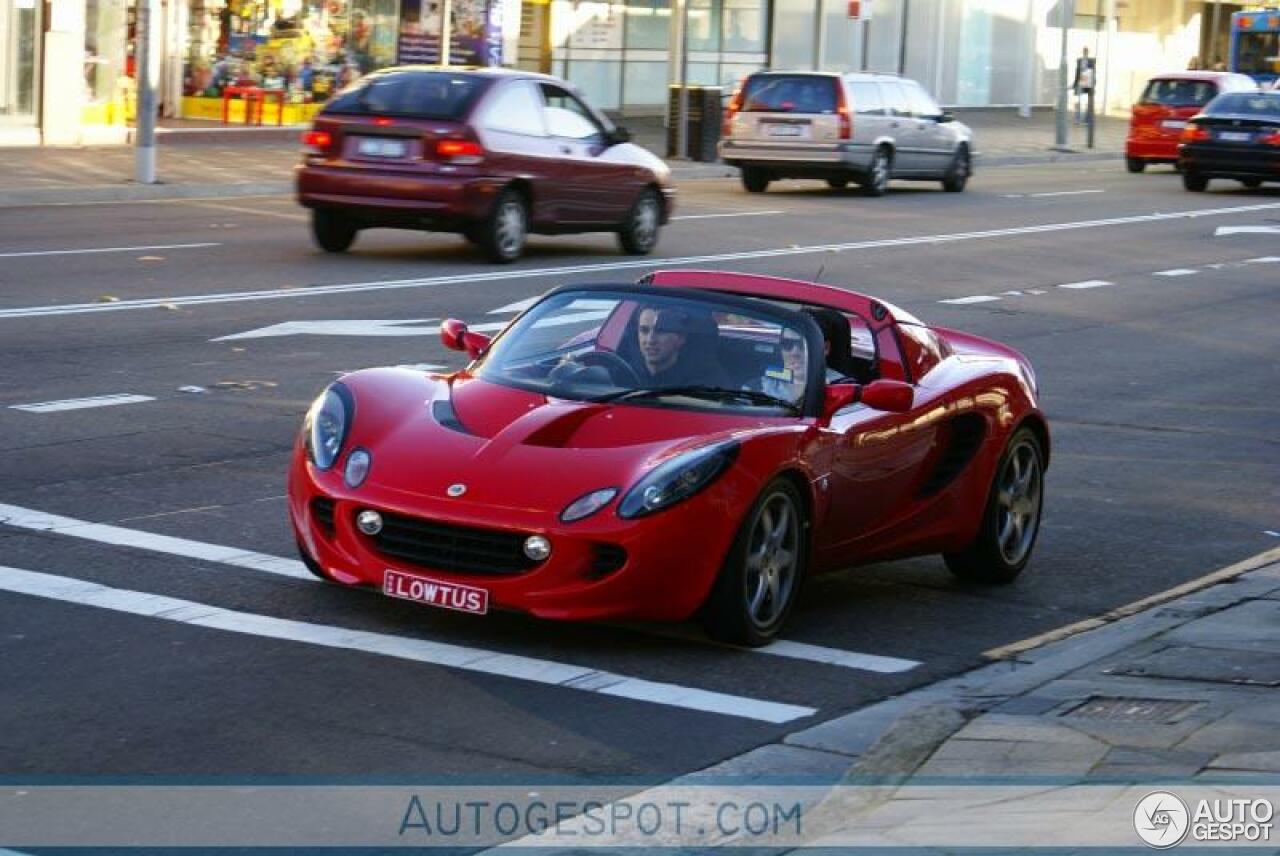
{"x": 489, "y": 153}
{"x": 1237, "y": 135}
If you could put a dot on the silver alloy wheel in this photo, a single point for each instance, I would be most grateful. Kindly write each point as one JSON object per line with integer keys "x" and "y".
{"x": 880, "y": 171}
{"x": 1018, "y": 503}
{"x": 645, "y": 229}
{"x": 510, "y": 227}
{"x": 773, "y": 555}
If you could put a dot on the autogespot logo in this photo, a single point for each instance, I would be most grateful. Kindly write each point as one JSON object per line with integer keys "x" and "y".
{"x": 1161, "y": 819}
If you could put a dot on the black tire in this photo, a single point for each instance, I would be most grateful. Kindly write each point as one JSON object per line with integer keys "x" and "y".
{"x": 639, "y": 234}
{"x": 876, "y": 181}
{"x": 1135, "y": 164}
{"x": 837, "y": 183}
{"x": 755, "y": 179}
{"x": 958, "y": 173}
{"x": 1194, "y": 181}
{"x": 754, "y": 560}
{"x": 312, "y": 565}
{"x": 1015, "y": 499}
{"x": 503, "y": 233}
{"x": 333, "y": 232}
{"x": 1251, "y": 183}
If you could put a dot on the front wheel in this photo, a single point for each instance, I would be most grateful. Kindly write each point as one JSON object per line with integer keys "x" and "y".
{"x": 1135, "y": 164}
{"x": 639, "y": 234}
{"x": 761, "y": 575}
{"x": 503, "y": 233}
{"x": 1194, "y": 181}
{"x": 958, "y": 173}
{"x": 334, "y": 232}
{"x": 754, "y": 179}
{"x": 1012, "y": 518}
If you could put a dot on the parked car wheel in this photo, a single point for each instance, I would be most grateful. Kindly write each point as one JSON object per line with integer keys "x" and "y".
{"x": 755, "y": 179}
{"x": 1251, "y": 183}
{"x": 1135, "y": 164}
{"x": 1194, "y": 181}
{"x": 761, "y": 576}
{"x": 958, "y": 173}
{"x": 877, "y": 180}
{"x": 334, "y": 232}
{"x": 639, "y": 234}
{"x": 504, "y": 232}
{"x": 1012, "y": 518}
{"x": 837, "y": 183}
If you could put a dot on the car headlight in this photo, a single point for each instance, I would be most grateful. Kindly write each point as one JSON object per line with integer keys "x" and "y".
{"x": 327, "y": 424}
{"x": 585, "y": 506}
{"x": 677, "y": 479}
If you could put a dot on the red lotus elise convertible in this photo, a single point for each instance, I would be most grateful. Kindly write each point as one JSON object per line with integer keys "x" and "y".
{"x": 695, "y": 444}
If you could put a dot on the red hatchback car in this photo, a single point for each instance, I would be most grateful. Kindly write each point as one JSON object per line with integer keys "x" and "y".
{"x": 489, "y": 153}
{"x": 1164, "y": 108}
{"x": 695, "y": 444}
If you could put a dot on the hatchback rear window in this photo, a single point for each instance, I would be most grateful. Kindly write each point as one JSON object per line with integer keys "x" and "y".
{"x": 1179, "y": 93}
{"x": 412, "y": 94}
{"x": 790, "y": 93}
{"x": 1246, "y": 104}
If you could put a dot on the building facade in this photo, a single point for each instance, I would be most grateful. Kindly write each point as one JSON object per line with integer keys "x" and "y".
{"x": 67, "y": 67}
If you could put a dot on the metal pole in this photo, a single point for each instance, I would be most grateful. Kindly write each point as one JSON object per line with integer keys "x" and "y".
{"x": 446, "y": 31}
{"x": 682, "y": 129}
{"x": 1213, "y": 36}
{"x": 1066, "y": 16}
{"x": 902, "y": 45}
{"x": 866, "y": 41}
{"x": 819, "y": 36}
{"x": 1029, "y": 69}
{"x": 145, "y": 120}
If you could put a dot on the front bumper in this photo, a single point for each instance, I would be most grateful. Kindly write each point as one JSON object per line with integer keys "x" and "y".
{"x": 662, "y": 578}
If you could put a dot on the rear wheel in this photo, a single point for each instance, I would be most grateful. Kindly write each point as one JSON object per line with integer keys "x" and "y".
{"x": 755, "y": 179}
{"x": 334, "y": 232}
{"x": 761, "y": 575}
{"x": 1012, "y": 518}
{"x": 958, "y": 173}
{"x": 1135, "y": 164}
{"x": 1251, "y": 183}
{"x": 837, "y": 183}
{"x": 1194, "y": 181}
{"x": 639, "y": 234}
{"x": 504, "y": 231}
{"x": 877, "y": 179}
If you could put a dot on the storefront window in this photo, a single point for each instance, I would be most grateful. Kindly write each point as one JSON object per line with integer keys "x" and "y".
{"x": 648, "y": 22}
{"x": 105, "y": 84}
{"x": 745, "y": 24}
{"x": 18, "y": 35}
{"x": 704, "y": 25}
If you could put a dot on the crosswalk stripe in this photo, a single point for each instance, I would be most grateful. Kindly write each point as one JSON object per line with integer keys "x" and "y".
{"x": 548, "y": 672}
{"x": 81, "y": 403}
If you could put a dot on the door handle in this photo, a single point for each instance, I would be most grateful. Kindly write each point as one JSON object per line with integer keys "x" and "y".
{"x": 566, "y": 150}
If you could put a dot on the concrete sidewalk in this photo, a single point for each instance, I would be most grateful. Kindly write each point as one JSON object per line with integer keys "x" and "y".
{"x": 204, "y": 160}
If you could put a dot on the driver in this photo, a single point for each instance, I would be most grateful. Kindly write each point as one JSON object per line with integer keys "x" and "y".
{"x": 668, "y": 338}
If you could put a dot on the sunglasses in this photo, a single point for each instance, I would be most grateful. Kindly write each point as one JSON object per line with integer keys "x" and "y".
{"x": 791, "y": 344}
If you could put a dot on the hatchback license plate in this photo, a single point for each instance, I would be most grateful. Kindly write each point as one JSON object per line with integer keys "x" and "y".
{"x": 1235, "y": 136}
{"x": 1173, "y": 124}
{"x": 383, "y": 148}
{"x": 784, "y": 130}
{"x": 435, "y": 592}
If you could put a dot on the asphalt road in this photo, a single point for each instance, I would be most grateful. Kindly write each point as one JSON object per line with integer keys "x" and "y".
{"x": 1160, "y": 385}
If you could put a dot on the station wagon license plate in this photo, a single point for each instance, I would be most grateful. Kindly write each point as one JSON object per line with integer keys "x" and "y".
{"x": 435, "y": 592}
{"x": 383, "y": 148}
{"x": 1235, "y": 136}
{"x": 784, "y": 130}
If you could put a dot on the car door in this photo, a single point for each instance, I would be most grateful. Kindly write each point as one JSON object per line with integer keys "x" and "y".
{"x": 598, "y": 190}
{"x": 934, "y": 140}
{"x": 511, "y": 129}
{"x": 871, "y": 121}
{"x": 906, "y": 158}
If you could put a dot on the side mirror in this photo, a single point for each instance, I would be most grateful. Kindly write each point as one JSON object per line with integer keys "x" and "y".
{"x": 892, "y": 396}
{"x": 455, "y": 336}
{"x": 837, "y": 397}
{"x": 944, "y": 116}
{"x": 619, "y": 135}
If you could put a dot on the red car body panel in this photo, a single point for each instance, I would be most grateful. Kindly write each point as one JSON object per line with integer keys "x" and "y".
{"x": 872, "y": 481}
{"x": 1150, "y": 138}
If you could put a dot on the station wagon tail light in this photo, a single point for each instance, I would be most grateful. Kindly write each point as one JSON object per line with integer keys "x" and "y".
{"x": 733, "y": 108}
{"x": 318, "y": 140}
{"x": 1194, "y": 134}
{"x": 460, "y": 151}
{"x": 842, "y": 113}
{"x": 383, "y": 121}
{"x": 1272, "y": 139}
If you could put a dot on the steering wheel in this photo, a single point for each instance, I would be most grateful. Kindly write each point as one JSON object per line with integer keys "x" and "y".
{"x": 612, "y": 363}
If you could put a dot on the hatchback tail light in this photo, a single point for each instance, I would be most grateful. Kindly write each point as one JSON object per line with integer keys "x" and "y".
{"x": 460, "y": 151}
{"x": 734, "y": 107}
{"x": 318, "y": 140}
{"x": 842, "y": 112}
{"x": 1194, "y": 134}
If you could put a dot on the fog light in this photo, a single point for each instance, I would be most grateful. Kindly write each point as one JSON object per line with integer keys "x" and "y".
{"x": 357, "y": 468}
{"x": 537, "y": 548}
{"x": 370, "y": 522}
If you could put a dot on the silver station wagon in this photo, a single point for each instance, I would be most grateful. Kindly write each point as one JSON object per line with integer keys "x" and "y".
{"x": 861, "y": 127}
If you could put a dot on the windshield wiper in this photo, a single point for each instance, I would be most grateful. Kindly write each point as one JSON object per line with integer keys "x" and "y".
{"x": 717, "y": 393}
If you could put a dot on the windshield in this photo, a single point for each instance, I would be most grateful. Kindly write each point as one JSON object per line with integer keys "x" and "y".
{"x": 1179, "y": 93}
{"x": 411, "y": 94}
{"x": 796, "y": 93}
{"x": 660, "y": 350}
{"x": 1258, "y": 53}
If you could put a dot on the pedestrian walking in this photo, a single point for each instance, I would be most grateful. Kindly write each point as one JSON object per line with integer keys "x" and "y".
{"x": 1082, "y": 85}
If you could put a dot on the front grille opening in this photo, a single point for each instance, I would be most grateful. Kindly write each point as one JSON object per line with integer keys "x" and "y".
{"x": 606, "y": 559}
{"x": 322, "y": 514}
{"x": 447, "y": 547}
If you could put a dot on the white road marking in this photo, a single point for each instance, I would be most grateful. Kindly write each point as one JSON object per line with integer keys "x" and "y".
{"x": 1273, "y": 534}
{"x": 836, "y": 657}
{"x": 1223, "y": 231}
{"x": 1065, "y": 193}
{"x": 1088, "y": 283}
{"x": 977, "y": 298}
{"x": 565, "y": 270}
{"x": 736, "y": 214}
{"x": 26, "y": 518}
{"x": 256, "y": 212}
{"x": 547, "y": 672}
{"x": 1176, "y": 272}
{"x": 81, "y": 403}
{"x": 1014, "y": 293}
{"x": 518, "y": 306}
{"x": 107, "y": 250}
{"x": 370, "y": 327}
{"x": 1263, "y": 260}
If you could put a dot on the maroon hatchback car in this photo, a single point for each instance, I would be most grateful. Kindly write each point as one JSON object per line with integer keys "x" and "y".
{"x": 489, "y": 153}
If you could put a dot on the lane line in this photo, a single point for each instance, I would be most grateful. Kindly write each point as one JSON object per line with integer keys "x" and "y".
{"x": 26, "y": 518}
{"x": 38, "y": 521}
{"x": 518, "y": 306}
{"x": 565, "y": 270}
{"x": 1065, "y": 193}
{"x": 107, "y": 250}
{"x": 81, "y": 403}
{"x": 977, "y": 298}
{"x": 547, "y": 672}
{"x": 1176, "y": 272}
{"x": 1263, "y": 260}
{"x": 256, "y": 212}
{"x": 735, "y": 214}
{"x": 1088, "y": 283}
